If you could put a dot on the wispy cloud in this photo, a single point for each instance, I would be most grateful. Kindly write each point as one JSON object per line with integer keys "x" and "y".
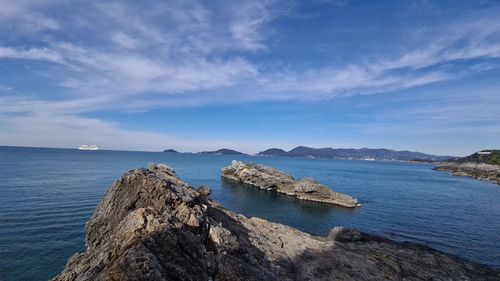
{"x": 24, "y": 16}
{"x": 5, "y": 88}
{"x": 248, "y": 22}
{"x": 43, "y": 54}
{"x": 339, "y": 3}
{"x": 452, "y": 44}
{"x": 125, "y": 41}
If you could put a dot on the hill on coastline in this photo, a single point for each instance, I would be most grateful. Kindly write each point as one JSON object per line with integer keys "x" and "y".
{"x": 273, "y": 152}
{"x": 353, "y": 153}
{"x": 490, "y": 156}
{"x": 224, "y": 151}
{"x": 340, "y": 153}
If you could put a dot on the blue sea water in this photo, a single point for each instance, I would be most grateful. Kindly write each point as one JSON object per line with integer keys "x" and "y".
{"x": 47, "y": 195}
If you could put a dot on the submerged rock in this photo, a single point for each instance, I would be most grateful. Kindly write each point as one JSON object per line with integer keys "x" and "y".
{"x": 271, "y": 179}
{"x": 480, "y": 171}
{"x": 152, "y": 226}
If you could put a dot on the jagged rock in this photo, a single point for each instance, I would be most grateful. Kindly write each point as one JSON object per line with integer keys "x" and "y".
{"x": 342, "y": 234}
{"x": 152, "y": 226}
{"x": 203, "y": 190}
{"x": 271, "y": 179}
{"x": 480, "y": 171}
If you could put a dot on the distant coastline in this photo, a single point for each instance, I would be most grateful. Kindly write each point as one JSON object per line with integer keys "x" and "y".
{"x": 367, "y": 154}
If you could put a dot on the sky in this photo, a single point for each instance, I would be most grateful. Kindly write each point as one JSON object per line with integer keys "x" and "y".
{"x": 250, "y": 75}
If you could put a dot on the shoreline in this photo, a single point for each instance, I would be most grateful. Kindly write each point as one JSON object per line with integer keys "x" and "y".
{"x": 479, "y": 171}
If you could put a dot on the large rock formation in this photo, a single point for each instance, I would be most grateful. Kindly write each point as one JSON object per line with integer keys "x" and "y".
{"x": 152, "y": 226}
{"x": 479, "y": 171}
{"x": 271, "y": 179}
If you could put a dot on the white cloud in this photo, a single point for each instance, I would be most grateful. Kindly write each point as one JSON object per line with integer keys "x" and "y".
{"x": 125, "y": 41}
{"x": 454, "y": 43}
{"x": 247, "y": 24}
{"x": 43, "y": 54}
{"x": 182, "y": 50}
{"x": 353, "y": 80}
{"x": 132, "y": 74}
{"x": 21, "y": 14}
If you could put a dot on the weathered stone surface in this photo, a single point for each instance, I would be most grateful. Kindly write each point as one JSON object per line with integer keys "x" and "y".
{"x": 478, "y": 171}
{"x": 342, "y": 234}
{"x": 152, "y": 226}
{"x": 271, "y": 179}
{"x": 203, "y": 190}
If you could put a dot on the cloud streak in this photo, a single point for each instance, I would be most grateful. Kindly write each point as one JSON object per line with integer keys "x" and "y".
{"x": 41, "y": 54}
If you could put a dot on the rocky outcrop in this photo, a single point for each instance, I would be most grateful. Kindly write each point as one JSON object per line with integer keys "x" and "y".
{"x": 152, "y": 226}
{"x": 479, "y": 171}
{"x": 271, "y": 179}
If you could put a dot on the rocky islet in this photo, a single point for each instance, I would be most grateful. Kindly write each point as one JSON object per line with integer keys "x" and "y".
{"x": 273, "y": 180}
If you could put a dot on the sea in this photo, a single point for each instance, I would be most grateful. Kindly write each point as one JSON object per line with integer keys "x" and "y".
{"x": 47, "y": 195}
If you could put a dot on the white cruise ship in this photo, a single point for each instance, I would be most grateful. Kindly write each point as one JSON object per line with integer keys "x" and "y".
{"x": 89, "y": 147}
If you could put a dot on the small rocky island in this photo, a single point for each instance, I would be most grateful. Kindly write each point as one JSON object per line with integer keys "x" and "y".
{"x": 152, "y": 226}
{"x": 273, "y": 180}
{"x": 482, "y": 165}
{"x": 223, "y": 151}
{"x": 170, "y": 151}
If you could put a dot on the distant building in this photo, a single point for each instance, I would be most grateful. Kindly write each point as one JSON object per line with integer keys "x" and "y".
{"x": 484, "y": 152}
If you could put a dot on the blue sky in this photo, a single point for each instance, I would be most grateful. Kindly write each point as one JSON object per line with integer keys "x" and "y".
{"x": 249, "y": 75}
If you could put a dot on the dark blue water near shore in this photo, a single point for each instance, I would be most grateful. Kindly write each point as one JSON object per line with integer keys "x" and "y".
{"x": 47, "y": 195}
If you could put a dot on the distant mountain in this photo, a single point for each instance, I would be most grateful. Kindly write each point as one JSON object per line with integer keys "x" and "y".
{"x": 490, "y": 156}
{"x": 352, "y": 153}
{"x": 223, "y": 151}
{"x": 273, "y": 152}
{"x": 170, "y": 151}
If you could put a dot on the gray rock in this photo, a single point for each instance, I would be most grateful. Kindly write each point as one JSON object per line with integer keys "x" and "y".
{"x": 342, "y": 234}
{"x": 271, "y": 179}
{"x": 152, "y": 226}
{"x": 203, "y": 190}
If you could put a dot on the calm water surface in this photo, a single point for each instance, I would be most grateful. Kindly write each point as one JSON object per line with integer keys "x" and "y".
{"x": 47, "y": 195}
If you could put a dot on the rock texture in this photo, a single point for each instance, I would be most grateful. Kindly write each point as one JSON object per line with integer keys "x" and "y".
{"x": 479, "y": 171}
{"x": 274, "y": 180}
{"x": 152, "y": 226}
